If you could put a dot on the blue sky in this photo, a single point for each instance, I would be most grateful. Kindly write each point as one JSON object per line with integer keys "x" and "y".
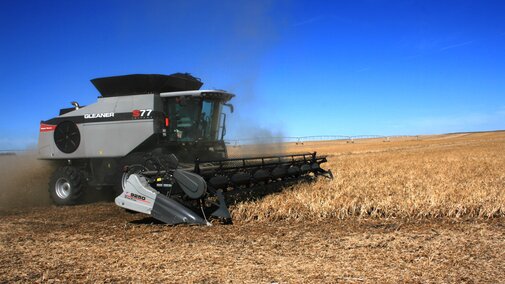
{"x": 298, "y": 67}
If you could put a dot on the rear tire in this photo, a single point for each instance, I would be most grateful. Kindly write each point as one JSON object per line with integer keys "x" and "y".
{"x": 66, "y": 186}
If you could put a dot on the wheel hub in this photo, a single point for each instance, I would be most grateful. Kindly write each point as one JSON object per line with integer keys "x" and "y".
{"x": 134, "y": 169}
{"x": 62, "y": 188}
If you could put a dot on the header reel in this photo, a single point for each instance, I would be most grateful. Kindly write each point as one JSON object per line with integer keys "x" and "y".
{"x": 194, "y": 195}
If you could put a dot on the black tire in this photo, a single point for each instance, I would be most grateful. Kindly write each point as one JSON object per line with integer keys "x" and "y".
{"x": 66, "y": 186}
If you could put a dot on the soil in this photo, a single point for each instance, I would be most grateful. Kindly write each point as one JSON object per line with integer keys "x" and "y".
{"x": 102, "y": 243}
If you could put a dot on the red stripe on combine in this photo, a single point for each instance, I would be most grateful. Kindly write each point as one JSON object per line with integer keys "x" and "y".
{"x": 129, "y": 196}
{"x": 47, "y": 127}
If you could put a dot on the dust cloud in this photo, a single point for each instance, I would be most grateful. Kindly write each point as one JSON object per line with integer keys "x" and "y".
{"x": 252, "y": 31}
{"x": 24, "y": 181}
{"x": 256, "y": 141}
{"x": 259, "y": 30}
{"x": 256, "y": 150}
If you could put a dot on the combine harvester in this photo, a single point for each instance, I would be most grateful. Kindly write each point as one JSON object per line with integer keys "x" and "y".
{"x": 158, "y": 141}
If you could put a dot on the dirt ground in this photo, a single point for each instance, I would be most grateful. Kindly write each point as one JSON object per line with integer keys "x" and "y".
{"x": 102, "y": 243}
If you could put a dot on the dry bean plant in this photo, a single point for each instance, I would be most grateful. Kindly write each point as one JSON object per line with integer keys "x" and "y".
{"x": 458, "y": 175}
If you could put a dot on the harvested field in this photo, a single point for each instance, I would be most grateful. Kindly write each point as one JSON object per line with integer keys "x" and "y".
{"x": 428, "y": 210}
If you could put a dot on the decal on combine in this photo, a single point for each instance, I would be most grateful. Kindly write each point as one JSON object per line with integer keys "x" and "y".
{"x": 136, "y": 197}
{"x": 141, "y": 113}
{"x": 98, "y": 115}
{"x": 105, "y": 117}
{"x": 47, "y": 127}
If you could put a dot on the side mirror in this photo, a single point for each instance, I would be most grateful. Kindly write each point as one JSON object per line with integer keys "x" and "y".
{"x": 230, "y": 106}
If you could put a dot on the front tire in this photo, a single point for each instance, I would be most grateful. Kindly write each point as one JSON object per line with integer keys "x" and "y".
{"x": 136, "y": 163}
{"x": 66, "y": 186}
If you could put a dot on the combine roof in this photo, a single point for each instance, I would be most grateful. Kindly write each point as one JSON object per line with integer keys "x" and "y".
{"x": 136, "y": 84}
{"x": 211, "y": 94}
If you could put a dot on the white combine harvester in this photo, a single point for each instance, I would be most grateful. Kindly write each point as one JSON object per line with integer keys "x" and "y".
{"x": 157, "y": 140}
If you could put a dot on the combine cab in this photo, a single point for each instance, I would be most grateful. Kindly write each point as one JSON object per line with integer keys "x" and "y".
{"x": 158, "y": 142}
